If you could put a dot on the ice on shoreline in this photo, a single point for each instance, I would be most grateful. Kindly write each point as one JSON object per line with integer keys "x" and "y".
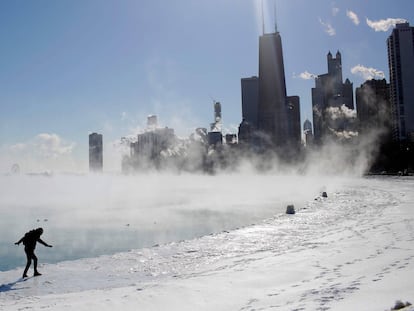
{"x": 351, "y": 251}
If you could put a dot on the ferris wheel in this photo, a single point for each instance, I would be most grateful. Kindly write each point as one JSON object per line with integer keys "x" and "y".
{"x": 15, "y": 169}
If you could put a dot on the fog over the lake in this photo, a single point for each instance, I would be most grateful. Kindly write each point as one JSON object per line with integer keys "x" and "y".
{"x": 88, "y": 215}
{"x": 85, "y": 215}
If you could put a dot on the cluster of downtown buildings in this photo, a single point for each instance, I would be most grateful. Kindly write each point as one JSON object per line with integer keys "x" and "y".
{"x": 271, "y": 124}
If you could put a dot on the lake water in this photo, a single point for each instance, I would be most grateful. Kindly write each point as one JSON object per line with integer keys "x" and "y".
{"x": 87, "y": 216}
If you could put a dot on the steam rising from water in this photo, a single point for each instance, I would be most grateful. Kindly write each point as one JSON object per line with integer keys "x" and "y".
{"x": 90, "y": 215}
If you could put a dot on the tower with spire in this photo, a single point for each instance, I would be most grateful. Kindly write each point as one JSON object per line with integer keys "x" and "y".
{"x": 275, "y": 123}
{"x": 272, "y": 110}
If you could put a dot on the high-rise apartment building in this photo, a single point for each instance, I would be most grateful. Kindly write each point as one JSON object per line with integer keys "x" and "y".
{"x": 373, "y": 106}
{"x": 401, "y": 66}
{"x": 95, "y": 152}
{"x": 331, "y": 101}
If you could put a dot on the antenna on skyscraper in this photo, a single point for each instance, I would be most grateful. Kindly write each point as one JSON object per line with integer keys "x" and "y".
{"x": 263, "y": 26}
{"x": 275, "y": 17}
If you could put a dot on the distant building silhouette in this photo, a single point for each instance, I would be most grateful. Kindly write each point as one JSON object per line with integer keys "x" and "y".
{"x": 294, "y": 136}
{"x": 215, "y": 137}
{"x": 152, "y": 122}
{"x": 246, "y": 131}
{"x": 216, "y": 125}
{"x": 250, "y": 100}
{"x": 307, "y": 126}
{"x": 401, "y": 66}
{"x": 308, "y": 132}
{"x": 149, "y": 145}
{"x": 231, "y": 139}
{"x": 375, "y": 122}
{"x": 373, "y": 106}
{"x": 95, "y": 152}
{"x": 332, "y": 101}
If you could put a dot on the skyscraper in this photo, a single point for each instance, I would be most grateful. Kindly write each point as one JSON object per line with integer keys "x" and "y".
{"x": 307, "y": 126}
{"x": 294, "y": 137}
{"x": 95, "y": 152}
{"x": 271, "y": 120}
{"x": 215, "y": 137}
{"x": 152, "y": 122}
{"x": 373, "y": 106}
{"x": 250, "y": 99}
{"x": 307, "y": 131}
{"x": 332, "y": 101}
{"x": 272, "y": 110}
{"x": 401, "y": 65}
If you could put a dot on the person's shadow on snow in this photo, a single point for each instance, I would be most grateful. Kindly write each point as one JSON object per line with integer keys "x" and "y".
{"x": 13, "y": 285}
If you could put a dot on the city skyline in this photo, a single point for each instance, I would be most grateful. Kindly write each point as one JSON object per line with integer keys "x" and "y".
{"x": 73, "y": 68}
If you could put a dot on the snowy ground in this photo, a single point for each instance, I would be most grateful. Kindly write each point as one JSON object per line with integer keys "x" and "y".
{"x": 351, "y": 251}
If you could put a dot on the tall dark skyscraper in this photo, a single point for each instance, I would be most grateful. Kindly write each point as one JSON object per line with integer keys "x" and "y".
{"x": 272, "y": 110}
{"x": 95, "y": 152}
{"x": 271, "y": 120}
{"x": 401, "y": 65}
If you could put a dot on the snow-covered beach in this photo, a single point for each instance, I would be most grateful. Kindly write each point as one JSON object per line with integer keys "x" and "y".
{"x": 353, "y": 250}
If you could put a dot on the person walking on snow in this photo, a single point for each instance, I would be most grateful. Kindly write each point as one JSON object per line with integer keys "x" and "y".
{"x": 29, "y": 241}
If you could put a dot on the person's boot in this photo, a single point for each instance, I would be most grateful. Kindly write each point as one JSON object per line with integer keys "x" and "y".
{"x": 24, "y": 276}
{"x": 37, "y": 273}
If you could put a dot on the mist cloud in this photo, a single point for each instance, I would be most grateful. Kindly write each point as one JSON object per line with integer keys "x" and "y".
{"x": 328, "y": 28}
{"x": 45, "y": 145}
{"x": 306, "y": 75}
{"x": 353, "y": 17}
{"x": 341, "y": 112}
{"x": 89, "y": 215}
{"x": 45, "y": 151}
{"x": 124, "y": 115}
{"x": 163, "y": 76}
{"x": 384, "y": 24}
{"x": 368, "y": 73}
{"x": 344, "y": 135}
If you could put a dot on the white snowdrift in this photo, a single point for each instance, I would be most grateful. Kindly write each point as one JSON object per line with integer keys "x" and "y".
{"x": 351, "y": 251}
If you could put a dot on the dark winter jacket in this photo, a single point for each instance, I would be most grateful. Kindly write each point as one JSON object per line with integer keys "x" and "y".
{"x": 30, "y": 238}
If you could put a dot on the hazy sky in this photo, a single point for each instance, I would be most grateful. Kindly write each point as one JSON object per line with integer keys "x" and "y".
{"x": 71, "y": 67}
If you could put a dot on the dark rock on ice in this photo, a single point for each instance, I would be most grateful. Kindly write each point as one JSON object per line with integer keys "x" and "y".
{"x": 290, "y": 209}
{"x": 400, "y": 305}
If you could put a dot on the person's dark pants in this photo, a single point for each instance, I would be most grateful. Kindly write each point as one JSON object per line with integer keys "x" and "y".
{"x": 30, "y": 255}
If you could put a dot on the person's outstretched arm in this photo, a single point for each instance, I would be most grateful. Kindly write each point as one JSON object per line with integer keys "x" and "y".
{"x": 43, "y": 242}
{"x": 20, "y": 241}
